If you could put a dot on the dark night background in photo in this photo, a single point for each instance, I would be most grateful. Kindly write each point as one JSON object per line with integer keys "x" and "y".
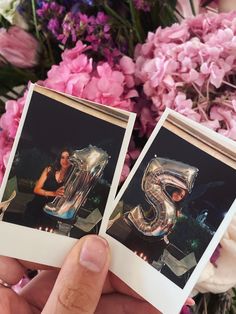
{"x": 51, "y": 126}
{"x": 214, "y": 191}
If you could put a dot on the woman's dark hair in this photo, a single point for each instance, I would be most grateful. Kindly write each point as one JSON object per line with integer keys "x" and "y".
{"x": 57, "y": 165}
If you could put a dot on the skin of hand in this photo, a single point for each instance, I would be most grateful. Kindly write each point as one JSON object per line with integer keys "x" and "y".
{"x": 60, "y": 191}
{"x": 82, "y": 286}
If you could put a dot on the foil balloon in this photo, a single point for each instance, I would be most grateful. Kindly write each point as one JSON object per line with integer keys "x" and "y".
{"x": 160, "y": 174}
{"x": 87, "y": 167}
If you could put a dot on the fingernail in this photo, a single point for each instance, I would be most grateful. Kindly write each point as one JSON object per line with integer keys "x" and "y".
{"x": 93, "y": 254}
{"x": 190, "y": 302}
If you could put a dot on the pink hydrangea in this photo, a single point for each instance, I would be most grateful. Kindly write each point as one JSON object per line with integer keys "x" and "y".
{"x": 9, "y": 123}
{"x": 80, "y": 76}
{"x": 189, "y": 67}
{"x": 5, "y": 149}
{"x": 10, "y": 119}
{"x": 130, "y": 158}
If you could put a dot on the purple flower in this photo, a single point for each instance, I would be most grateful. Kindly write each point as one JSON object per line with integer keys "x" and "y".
{"x": 53, "y": 26}
{"x": 143, "y": 5}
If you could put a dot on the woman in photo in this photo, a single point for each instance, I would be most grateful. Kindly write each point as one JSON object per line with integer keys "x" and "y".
{"x": 49, "y": 185}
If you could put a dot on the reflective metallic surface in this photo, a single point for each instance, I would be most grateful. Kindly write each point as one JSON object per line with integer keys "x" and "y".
{"x": 87, "y": 167}
{"x": 160, "y": 217}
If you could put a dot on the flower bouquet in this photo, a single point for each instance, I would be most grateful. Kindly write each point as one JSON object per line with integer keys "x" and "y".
{"x": 137, "y": 55}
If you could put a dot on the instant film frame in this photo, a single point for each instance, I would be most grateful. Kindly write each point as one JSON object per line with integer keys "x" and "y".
{"x": 50, "y": 122}
{"x": 151, "y": 268}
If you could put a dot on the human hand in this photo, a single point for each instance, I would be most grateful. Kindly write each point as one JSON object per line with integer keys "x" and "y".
{"x": 60, "y": 191}
{"x": 83, "y": 285}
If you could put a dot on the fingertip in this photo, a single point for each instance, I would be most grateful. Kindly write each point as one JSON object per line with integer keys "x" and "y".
{"x": 81, "y": 279}
{"x": 94, "y": 253}
{"x": 190, "y": 302}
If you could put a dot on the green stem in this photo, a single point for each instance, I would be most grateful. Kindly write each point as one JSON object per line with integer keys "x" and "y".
{"x": 111, "y": 12}
{"x": 50, "y": 52}
{"x": 136, "y": 21}
{"x": 192, "y": 7}
{"x": 129, "y": 36}
{"x": 26, "y": 74}
{"x": 35, "y": 19}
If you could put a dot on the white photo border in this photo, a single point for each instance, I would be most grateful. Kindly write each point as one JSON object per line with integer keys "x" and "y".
{"x": 137, "y": 273}
{"x": 34, "y": 245}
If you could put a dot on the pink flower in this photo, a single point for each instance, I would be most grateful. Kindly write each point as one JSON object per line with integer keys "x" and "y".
{"x": 130, "y": 158}
{"x": 58, "y": 77}
{"x": 9, "y": 122}
{"x": 5, "y": 148}
{"x": 125, "y": 172}
{"x": 10, "y": 119}
{"x": 127, "y": 65}
{"x": 104, "y": 83}
{"x": 188, "y": 67}
{"x": 228, "y": 117}
{"x": 71, "y": 54}
{"x": 18, "y": 47}
{"x": 76, "y": 83}
{"x": 177, "y": 33}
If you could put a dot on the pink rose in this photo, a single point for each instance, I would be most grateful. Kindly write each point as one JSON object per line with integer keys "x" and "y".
{"x": 18, "y": 47}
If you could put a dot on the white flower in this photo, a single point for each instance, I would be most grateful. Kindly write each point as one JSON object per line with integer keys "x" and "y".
{"x": 223, "y": 277}
{"x": 8, "y": 9}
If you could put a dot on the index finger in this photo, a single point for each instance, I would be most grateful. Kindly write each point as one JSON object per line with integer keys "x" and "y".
{"x": 115, "y": 284}
{"x": 12, "y": 270}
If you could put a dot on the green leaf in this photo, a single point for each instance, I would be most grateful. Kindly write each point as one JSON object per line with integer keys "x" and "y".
{"x": 2, "y": 106}
{"x": 4, "y": 23}
{"x": 136, "y": 22}
{"x": 11, "y": 76}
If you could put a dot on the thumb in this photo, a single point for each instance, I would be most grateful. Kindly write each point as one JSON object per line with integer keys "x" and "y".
{"x": 79, "y": 284}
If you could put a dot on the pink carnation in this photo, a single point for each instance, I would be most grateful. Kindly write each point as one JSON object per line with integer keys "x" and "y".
{"x": 18, "y": 47}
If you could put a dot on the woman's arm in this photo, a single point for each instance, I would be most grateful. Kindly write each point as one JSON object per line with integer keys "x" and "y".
{"x": 39, "y": 186}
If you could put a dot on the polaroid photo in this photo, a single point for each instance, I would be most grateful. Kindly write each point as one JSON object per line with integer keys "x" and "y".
{"x": 64, "y": 167}
{"x": 172, "y": 211}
